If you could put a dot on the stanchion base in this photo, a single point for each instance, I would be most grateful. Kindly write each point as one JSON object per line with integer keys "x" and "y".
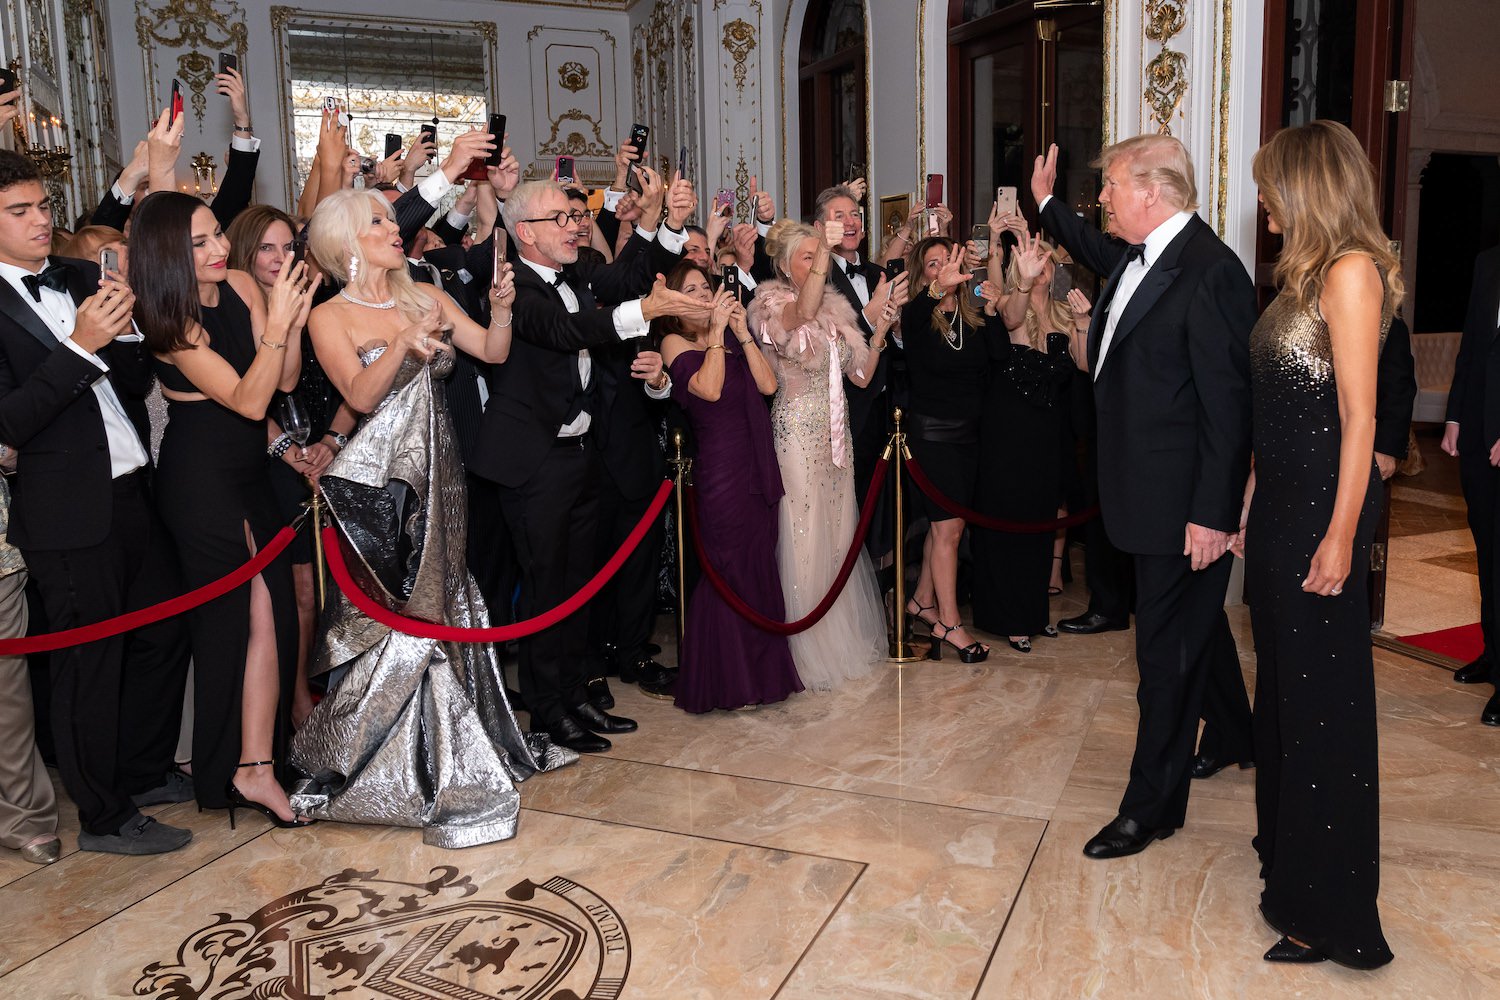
{"x": 902, "y": 652}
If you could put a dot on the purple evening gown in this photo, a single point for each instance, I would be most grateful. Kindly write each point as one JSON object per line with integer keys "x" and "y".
{"x": 725, "y": 661}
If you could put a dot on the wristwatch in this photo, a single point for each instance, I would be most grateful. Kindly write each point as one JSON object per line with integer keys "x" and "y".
{"x": 338, "y": 439}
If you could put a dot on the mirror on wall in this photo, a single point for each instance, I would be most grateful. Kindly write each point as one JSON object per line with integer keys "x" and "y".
{"x": 391, "y": 75}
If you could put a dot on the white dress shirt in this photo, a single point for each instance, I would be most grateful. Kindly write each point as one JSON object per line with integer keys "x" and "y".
{"x": 855, "y": 278}
{"x": 245, "y": 144}
{"x": 1134, "y": 273}
{"x": 57, "y": 310}
{"x": 629, "y": 323}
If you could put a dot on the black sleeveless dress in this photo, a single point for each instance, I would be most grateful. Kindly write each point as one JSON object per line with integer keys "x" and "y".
{"x": 211, "y": 481}
{"x": 1317, "y": 791}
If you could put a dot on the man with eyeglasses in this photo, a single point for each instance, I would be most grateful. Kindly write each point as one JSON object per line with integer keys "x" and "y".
{"x": 536, "y": 442}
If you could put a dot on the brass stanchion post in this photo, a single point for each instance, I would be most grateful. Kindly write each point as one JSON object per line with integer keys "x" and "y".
{"x": 317, "y": 530}
{"x": 682, "y": 473}
{"x": 897, "y": 453}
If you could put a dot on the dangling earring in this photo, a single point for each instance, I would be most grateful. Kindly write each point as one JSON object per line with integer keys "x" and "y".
{"x": 353, "y": 267}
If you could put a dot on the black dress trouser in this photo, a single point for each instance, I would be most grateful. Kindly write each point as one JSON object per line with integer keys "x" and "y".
{"x": 624, "y": 614}
{"x": 116, "y": 702}
{"x": 1480, "y": 483}
{"x": 1188, "y": 668}
{"x": 552, "y": 519}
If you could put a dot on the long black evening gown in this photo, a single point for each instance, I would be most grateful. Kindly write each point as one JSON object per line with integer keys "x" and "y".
{"x": 1317, "y": 791}
{"x": 211, "y": 481}
{"x": 1021, "y": 436}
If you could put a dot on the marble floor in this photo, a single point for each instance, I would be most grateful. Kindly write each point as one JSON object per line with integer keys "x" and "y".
{"x": 915, "y": 835}
{"x": 1432, "y": 580}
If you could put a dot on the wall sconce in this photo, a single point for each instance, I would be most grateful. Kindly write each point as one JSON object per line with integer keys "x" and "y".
{"x": 205, "y": 176}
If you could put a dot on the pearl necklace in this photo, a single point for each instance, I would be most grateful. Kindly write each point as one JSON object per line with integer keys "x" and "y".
{"x": 389, "y": 303}
{"x": 954, "y": 339}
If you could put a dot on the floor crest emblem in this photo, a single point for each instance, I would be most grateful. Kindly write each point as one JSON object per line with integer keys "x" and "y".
{"x": 357, "y": 935}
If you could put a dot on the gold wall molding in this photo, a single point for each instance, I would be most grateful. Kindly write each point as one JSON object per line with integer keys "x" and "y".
{"x": 40, "y": 36}
{"x": 739, "y": 42}
{"x": 1167, "y": 73}
{"x": 197, "y": 30}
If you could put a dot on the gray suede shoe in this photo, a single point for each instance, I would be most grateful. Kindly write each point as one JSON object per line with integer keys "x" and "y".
{"x": 139, "y": 835}
{"x": 177, "y": 787}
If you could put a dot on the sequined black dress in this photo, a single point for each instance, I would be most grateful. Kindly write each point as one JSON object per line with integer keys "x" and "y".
{"x": 416, "y": 732}
{"x": 1317, "y": 787}
{"x": 1021, "y": 436}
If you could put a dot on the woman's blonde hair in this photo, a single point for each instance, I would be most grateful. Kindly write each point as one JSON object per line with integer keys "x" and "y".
{"x": 333, "y": 238}
{"x": 968, "y": 302}
{"x": 1059, "y": 318}
{"x": 783, "y": 240}
{"x": 1318, "y": 185}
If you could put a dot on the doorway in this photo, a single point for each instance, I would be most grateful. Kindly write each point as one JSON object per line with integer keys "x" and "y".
{"x": 1023, "y": 79}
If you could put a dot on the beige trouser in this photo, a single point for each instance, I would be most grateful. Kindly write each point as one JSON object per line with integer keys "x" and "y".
{"x": 28, "y": 808}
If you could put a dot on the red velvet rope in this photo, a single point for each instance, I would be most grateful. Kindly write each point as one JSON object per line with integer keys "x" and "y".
{"x": 979, "y": 520}
{"x": 156, "y": 612}
{"x": 806, "y": 622}
{"x": 498, "y": 633}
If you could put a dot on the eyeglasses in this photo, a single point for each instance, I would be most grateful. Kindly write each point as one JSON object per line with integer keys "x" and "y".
{"x": 564, "y": 219}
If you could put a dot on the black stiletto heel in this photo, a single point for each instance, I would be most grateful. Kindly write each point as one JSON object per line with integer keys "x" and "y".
{"x": 912, "y": 617}
{"x": 974, "y": 652}
{"x": 238, "y": 801}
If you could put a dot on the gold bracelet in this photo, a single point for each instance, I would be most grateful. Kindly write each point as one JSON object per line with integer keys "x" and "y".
{"x": 713, "y": 347}
{"x": 813, "y": 270}
{"x": 275, "y": 347}
{"x": 1028, "y": 288}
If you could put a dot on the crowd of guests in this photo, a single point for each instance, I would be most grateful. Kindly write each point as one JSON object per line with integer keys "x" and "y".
{"x": 478, "y": 396}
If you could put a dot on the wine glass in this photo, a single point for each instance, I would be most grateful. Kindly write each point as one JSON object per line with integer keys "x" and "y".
{"x": 292, "y": 416}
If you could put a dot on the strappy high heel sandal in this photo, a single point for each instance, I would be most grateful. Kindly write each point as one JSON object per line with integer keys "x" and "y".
{"x": 1051, "y": 590}
{"x": 238, "y": 801}
{"x": 974, "y": 652}
{"x": 912, "y": 617}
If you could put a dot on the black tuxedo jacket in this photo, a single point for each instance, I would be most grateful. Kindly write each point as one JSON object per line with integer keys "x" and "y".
{"x": 1474, "y": 396}
{"x": 862, "y": 400}
{"x": 1173, "y": 392}
{"x": 624, "y": 422}
{"x": 1395, "y": 392}
{"x": 538, "y": 386}
{"x": 235, "y": 193}
{"x": 61, "y": 496}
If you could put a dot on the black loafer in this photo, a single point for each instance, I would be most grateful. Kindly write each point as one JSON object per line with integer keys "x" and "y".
{"x": 1089, "y": 623}
{"x": 1289, "y": 951}
{"x": 599, "y": 694}
{"x": 1473, "y": 673}
{"x": 596, "y": 721}
{"x": 1122, "y": 838}
{"x": 1491, "y": 714}
{"x": 566, "y": 732}
{"x": 1206, "y": 766}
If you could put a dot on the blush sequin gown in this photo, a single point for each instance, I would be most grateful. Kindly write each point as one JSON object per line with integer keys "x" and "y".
{"x": 819, "y": 514}
{"x": 1317, "y": 787}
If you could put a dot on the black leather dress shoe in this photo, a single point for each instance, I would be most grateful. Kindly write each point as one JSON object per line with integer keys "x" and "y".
{"x": 1287, "y": 950}
{"x": 1206, "y": 765}
{"x": 599, "y": 694}
{"x": 594, "y": 720}
{"x": 1473, "y": 673}
{"x": 1089, "y": 623}
{"x": 566, "y": 732}
{"x": 1122, "y": 838}
{"x": 1491, "y": 714}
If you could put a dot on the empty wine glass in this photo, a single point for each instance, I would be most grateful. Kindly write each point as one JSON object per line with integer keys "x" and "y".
{"x": 292, "y": 416}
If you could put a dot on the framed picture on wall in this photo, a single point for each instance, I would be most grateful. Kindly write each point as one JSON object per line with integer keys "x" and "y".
{"x": 894, "y": 208}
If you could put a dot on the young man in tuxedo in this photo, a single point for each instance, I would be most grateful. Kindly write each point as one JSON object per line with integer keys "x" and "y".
{"x": 73, "y": 379}
{"x": 1168, "y": 350}
{"x": 536, "y": 443}
{"x": 1473, "y": 435}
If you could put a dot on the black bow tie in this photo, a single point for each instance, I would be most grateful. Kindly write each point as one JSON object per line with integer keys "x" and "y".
{"x": 1135, "y": 251}
{"x": 53, "y": 276}
{"x": 559, "y": 279}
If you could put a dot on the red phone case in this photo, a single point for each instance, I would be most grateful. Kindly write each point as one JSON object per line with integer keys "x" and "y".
{"x": 934, "y": 190}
